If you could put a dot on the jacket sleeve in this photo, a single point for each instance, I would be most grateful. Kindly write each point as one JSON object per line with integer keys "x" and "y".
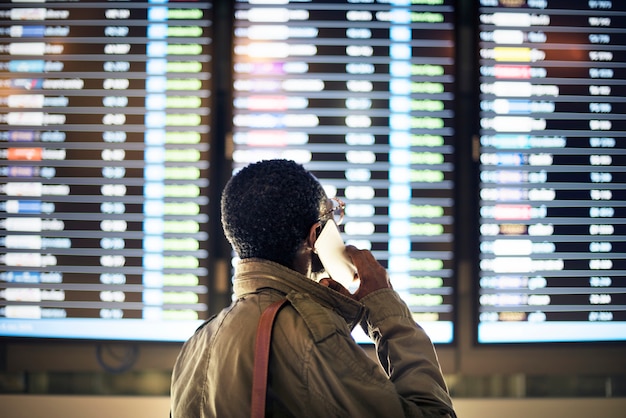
{"x": 339, "y": 379}
{"x": 407, "y": 355}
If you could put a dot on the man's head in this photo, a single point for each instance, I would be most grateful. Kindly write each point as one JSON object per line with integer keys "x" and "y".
{"x": 268, "y": 209}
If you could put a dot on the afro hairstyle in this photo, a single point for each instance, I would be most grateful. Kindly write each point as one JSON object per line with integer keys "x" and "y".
{"x": 268, "y": 208}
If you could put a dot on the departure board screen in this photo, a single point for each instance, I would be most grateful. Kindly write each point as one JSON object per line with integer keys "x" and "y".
{"x": 361, "y": 93}
{"x": 552, "y": 177}
{"x": 104, "y": 143}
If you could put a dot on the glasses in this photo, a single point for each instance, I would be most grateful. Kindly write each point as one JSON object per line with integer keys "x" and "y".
{"x": 336, "y": 212}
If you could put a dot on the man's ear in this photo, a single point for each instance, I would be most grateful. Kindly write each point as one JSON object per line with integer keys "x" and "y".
{"x": 314, "y": 232}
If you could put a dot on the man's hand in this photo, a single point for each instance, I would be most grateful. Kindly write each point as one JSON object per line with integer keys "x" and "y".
{"x": 372, "y": 275}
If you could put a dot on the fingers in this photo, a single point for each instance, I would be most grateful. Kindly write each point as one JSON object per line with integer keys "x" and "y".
{"x": 373, "y": 276}
{"x": 357, "y": 256}
{"x": 365, "y": 263}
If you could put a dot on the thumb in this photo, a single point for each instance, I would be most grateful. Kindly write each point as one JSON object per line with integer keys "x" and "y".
{"x": 336, "y": 286}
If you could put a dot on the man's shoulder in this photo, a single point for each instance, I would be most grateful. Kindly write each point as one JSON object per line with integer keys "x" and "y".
{"x": 321, "y": 321}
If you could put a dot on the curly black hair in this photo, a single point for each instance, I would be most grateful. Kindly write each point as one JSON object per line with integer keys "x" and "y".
{"x": 268, "y": 208}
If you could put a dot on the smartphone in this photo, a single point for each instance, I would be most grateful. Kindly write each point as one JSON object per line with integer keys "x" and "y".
{"x": 332, "y": 253}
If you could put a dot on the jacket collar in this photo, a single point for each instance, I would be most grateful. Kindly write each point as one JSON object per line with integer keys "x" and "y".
{"x": 254, "y": 274}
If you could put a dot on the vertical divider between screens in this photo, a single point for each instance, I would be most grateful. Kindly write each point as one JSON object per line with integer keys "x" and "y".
{"x": 222, "y": 164}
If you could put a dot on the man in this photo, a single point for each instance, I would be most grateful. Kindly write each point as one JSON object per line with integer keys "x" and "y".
{"x": 272, "y": 213}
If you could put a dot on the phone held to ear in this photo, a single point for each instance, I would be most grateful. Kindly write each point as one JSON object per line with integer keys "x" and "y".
{"x": 332, "y": 253}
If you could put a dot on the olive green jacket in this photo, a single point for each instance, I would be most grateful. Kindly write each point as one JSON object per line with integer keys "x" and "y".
{"x": 316, "y": 368}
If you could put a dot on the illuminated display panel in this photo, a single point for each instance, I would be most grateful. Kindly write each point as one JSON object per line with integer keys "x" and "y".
{"x": 552, "y": 178}
{"x": 362, "y": 95}
{"x": 104, "y": 142}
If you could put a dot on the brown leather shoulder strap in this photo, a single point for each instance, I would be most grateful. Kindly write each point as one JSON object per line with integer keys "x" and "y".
{"x": 262, "y": 358}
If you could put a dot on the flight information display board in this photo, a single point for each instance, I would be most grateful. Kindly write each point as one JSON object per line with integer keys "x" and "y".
{"x": 552, "y": 176}
{"x": 104, "y": 143}
{"x": 361, "y": 93}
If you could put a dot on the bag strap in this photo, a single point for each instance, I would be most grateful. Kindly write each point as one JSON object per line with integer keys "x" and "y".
{"x": 262, "y": 358}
